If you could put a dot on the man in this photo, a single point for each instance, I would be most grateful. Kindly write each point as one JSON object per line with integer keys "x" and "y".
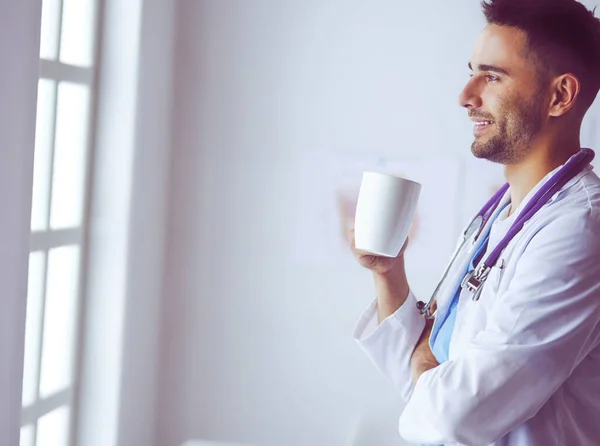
{"x": 520, "y": 366}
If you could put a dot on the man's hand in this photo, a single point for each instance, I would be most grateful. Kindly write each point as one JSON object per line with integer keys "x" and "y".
{"x": 378, "y": 264}
{"x": 422, "y": 358}
{"x": 389, "y": 275}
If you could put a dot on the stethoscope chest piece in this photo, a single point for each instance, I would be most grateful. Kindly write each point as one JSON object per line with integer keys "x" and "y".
{"x": 475, "y": 280}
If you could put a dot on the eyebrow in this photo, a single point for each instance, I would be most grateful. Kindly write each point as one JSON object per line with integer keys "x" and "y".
{"x": 493, "y": 68}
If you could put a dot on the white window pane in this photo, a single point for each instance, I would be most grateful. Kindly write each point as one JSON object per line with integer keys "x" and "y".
{"x": 60, "y": 309}
{"x": 33, "y": 326}
{"x": 50, "y": 29}
{"x": 68, "y": 178}
{"x": 44, "y": 131}
{"x": 27, "y": 435}
{"x": 76, "y": 43}
{"x": 53, "y": 428}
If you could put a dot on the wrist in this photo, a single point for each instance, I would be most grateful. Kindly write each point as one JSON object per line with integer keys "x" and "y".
{"x": 392, "y": 284}
{"x": 397, "y": 270}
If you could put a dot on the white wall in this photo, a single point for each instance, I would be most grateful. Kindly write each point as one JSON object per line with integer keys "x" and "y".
{"x": 149, "y": 209}
{"x": 117, "y": 396}
{"x": 19, "y": 50}
{"x": 256, "y": 347}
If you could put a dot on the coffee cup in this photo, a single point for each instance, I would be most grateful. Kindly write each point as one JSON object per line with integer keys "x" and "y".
{"x": 384, "y": 212}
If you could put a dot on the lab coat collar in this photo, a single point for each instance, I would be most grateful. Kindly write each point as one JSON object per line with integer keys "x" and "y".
{"x": 456, "y": 275}
{"x": 529, "y": 196}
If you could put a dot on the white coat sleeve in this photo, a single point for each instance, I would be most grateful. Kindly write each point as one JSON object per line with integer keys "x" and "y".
{"x": 537, "y": 333}
{"x": 390, "y": 344}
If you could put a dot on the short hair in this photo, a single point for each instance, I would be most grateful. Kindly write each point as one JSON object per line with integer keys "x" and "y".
{"x": 563, "y": 36}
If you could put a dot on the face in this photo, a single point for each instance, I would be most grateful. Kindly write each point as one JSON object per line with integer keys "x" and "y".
{"x": 504, "y": 97}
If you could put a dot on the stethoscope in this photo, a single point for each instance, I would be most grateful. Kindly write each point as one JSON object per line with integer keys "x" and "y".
{"x": 475, "y": 279}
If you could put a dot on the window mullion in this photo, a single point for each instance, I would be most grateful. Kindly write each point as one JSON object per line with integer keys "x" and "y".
{"x": 59, "y": 30}
{"x": 51, "y": 160}
{"x": 51, "y": 69}
{"x": 46, "y": 240}
{"x": 31, "y": 414}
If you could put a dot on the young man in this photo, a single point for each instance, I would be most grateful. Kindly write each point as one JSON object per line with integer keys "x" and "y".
{"x": 521, "y": 365}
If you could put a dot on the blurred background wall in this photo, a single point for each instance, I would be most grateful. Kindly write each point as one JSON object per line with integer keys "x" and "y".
{"x": 256, "y": 338}
{"x": 215, "y": 295}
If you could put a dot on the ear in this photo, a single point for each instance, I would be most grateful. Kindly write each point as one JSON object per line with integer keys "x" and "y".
{"x": 565, "y": 91}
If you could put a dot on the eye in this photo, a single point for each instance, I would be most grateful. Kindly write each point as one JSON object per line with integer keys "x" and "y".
{"x": 492, "y": 78}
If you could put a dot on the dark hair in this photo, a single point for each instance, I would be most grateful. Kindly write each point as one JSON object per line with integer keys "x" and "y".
{"x": 563, "y": 37}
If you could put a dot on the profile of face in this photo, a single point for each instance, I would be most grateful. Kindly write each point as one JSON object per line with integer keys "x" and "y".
{"x": 505, "y": 96}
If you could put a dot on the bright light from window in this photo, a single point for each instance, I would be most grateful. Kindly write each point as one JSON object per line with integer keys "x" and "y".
{"x": 44, "y": 133}
{"x": 53, "y": 428}
{"x": 59, "y": 320}
{"x": 33, "y": 328}
{"x": 76, "y": 43}
{"x": 27, "y": 435}
{"x": 68, "y": 179}
{"x": 50, "y": 29}
{"x": 62, "y": 143}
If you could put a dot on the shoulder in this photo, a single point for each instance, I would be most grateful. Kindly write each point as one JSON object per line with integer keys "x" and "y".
{"x": 581, "y": 194}
{"x": 568, "y": 227}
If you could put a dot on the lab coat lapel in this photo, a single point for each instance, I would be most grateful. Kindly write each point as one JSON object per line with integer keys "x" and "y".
{"x": 456, "y": 276}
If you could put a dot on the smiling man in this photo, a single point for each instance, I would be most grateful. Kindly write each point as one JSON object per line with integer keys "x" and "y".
{"x": 511, "y": 355}
{"x": 512, "y": 115}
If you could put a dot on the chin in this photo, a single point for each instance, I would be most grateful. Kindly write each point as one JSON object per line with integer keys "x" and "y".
{"x": 478, "y": 151}
{"x": 484, "y": 152}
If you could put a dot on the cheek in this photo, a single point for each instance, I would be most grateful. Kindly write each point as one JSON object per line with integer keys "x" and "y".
{"x": 503, "y": 107}
{"x": 493, "y": 103}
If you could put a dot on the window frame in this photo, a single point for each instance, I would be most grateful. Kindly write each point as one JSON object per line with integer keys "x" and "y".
{"x": 46, "y": 239}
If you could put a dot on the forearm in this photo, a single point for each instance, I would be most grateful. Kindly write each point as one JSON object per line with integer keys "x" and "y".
{"x": 392, "y": 290}
{"x": 391, "y": 343}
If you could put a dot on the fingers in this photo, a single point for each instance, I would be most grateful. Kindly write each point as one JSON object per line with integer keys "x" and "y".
{"x": 364, "y": 258}
{"x": 352, "y": 240}
{"x": 350, "y": 235}
{"x": 403, "y": 249}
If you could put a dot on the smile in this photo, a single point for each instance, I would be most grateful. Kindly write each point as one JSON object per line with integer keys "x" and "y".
{"x": 480, "y": 126}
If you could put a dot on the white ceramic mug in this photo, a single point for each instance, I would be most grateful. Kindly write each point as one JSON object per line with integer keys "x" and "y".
{"x": 384, "y": 212}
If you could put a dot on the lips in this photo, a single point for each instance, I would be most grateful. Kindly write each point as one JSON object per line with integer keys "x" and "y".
{"x": 480, "y": 125}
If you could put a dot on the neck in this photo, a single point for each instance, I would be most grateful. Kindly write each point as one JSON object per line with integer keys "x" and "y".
{"x": 525, "y": 175}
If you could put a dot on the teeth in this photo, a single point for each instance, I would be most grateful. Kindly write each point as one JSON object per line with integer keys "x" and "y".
{"x": 483, "y": 123}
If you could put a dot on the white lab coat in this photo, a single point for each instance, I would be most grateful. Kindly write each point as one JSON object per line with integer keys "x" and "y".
{"x": 524, "y": 366}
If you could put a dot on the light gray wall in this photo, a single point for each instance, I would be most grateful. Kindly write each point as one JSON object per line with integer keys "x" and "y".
{"x": 255, "y": 347}
{"x": 149, "y": 214}
{"x": 117, "y": 401}
{"x": 19, "y": 52}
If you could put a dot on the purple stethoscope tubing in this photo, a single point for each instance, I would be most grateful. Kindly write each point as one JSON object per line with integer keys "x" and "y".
{"x": 475, "y": 279}
{"x": 547, "y": 191}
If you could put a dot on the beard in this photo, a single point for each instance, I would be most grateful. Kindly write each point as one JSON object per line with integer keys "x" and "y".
{"x": 518, "y": 125}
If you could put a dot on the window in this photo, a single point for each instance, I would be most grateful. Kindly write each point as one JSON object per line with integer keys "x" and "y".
{"x": 58, "y": 220}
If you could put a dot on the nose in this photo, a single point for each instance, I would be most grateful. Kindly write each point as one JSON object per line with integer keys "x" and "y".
{"x": 470, "y": 97}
